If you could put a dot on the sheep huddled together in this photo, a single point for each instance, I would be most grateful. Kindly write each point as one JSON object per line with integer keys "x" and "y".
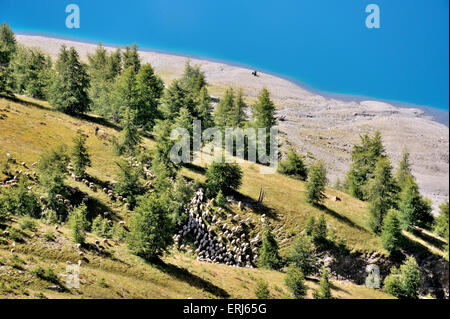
{"x": 213, "y": 239}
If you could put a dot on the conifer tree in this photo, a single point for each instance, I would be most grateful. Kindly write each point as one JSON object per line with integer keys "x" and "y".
{"x": 162, "y": 149}
{"x": 131, "y": 58}
{"x": 149, "y": 89}
{"x": 52, "y": 171}
{"x": 391, "y": 234}
{"x": 237, "y": 116}
{"x": 151, "y": 229}
{"x": 324, "y": 290}
{"x": 193, "y": 78}
{"x": 80, "y": 154}
{"x": 320, "y": 230}
{"x": 268, "y": 254}
{"x": 404, "y": 283}
{"x": 315, "y": 186}
{"x": 130, "y": 138}
{"x": 302, "y": 254}
{"x": 175, "y": 98}
{"x": 31, "y": 70}
{"x": 224, "y": 109}
{"x": 128, "y": 184}
{"x": 78, "y": 224}
{"x": 382, "y": 192}
{"x": 69, "y": 91}
{"x": 414, "y": 210}
{"x": 204, "y": 109}
{"x": 295, "y": 282}
{"x": 125, "y": 93}
{"x": 223, "y": 177}
{"x": 364, "y": 158}
{"x": 263, "y": 111}
{"x": 293, "y": 165}
{"x": 404, "y": 169}
{"x": 7, "y": 50}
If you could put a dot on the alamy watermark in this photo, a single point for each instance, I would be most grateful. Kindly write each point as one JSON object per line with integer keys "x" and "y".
{"x": 73, "y": 19}
{"x": 373, "y": 19}
{"x": 73, "y": 276}
{"x": 373, "y": 276}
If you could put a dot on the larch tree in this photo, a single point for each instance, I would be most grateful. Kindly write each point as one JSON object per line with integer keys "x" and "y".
{"x": 315, "y": 186}
{"x": 79, "y": 154}
{"x": 382, "y": 193}
{"x": 7, "y": 50}
{"x": 70, "y": 89}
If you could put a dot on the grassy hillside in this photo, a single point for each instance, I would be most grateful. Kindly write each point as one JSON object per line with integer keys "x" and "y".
{"x": 29, "y": 127}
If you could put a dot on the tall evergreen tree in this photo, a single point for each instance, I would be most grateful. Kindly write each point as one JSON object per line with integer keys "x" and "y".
{"x": 115, "y": 64}
{"x": 130, "y": 138}
{"x": 161, "y": 151}
{"x": 224, "y": 109}
{"x": 7, "y": 49}
{"x": 176, "y": 97}
{"x": 295, "y": 282}
{"x": 125, "y": 93}
{"x": 237, "y": 112}
{"x": 391, "y": 233}
{"x": 315, "y": 186}
{"x": 204, "y": 109}
{"x": 302, "y": 254}
{"x": 414, "y": 210}
{"x": 80, "y": 155}
{"x": 268, "y": 254}
{"x": 324, "y": 290}
{"x": 32, "y": 72}
{"x": 79, "y": 224}
{"x": 149, "y": 89}
{"x": 382, "y": 192}
{"x": 263, "y": 111}
{"x": 403, "y": 173}
{"x": 151, "y": 229}
{"x": 131, "y": 58}
{"x": 193, "y": 78}
{"x": 128, "y": 184}
{"x": 364, "y": 158}
{"x": 71, "y": 83}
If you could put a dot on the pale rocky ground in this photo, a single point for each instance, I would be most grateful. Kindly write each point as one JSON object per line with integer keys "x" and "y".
{"x": 325, "y": 127}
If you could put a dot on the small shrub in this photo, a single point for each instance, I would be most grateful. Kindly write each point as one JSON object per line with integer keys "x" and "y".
{"x": 293, "y": 165}
{"x": 15, "y": 234}
{"x": 302, "y": 254}
{"x": 27, "y": 223}
{"x": 324, "y": 290}
{"x": 220, "y": 199}
{"x": 295, "y": 282}
{"x": 47, "y": 274}
{"x": 223, "y": 176}
{"x": 262, "y": 289}
{"x": 405, "y": 282}
{"x": 102, "y": 283}
{"x": 49, "y": 236}
{"x": 79, "y": 224}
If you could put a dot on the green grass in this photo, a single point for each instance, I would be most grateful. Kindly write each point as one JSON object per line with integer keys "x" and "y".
{"x": 31, "y": 127}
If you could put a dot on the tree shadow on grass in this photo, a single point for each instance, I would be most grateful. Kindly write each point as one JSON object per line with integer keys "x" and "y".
{"x": 191, "y": 279}
{"x": 341, "y": 218}
{"x": 195, "y": 168}
{"x": 436, "y": 242}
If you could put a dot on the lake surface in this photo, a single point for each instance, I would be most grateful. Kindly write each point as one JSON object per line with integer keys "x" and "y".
{"x": 323, "y": 45}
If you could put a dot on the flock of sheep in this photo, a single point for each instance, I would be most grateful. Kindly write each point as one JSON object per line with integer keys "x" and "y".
{"x": 214, "y": 240}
